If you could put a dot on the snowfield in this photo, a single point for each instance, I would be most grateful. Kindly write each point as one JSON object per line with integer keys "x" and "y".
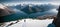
{"x": 31, "y": 23}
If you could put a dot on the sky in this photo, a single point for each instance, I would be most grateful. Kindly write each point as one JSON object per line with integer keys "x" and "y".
{"x": 16, "y": 2}
{"x": 29, "y": 0}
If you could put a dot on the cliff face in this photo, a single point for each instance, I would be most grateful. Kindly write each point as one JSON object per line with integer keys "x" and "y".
{"x": 57, "y": 20}
{"x": 4, "y": 10}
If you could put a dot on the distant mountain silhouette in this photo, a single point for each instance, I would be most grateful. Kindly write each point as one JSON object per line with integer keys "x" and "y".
{"x": 36, "y": 10}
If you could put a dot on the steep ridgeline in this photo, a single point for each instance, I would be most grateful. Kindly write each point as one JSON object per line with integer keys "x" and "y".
{"x": 4, "y": 10}
{"x": 57, "y": 20}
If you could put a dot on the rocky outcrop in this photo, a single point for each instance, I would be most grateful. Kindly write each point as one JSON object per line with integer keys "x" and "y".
{"x": 4, "y": 10}
{"x": 57, "y": 20}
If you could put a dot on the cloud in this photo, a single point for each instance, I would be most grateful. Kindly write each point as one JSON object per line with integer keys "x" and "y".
{"x": 50, "y": 12}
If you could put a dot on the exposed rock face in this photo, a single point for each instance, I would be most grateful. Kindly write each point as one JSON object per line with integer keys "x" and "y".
{"x": 4, "y": 10}
{"x": 57, "y": 20}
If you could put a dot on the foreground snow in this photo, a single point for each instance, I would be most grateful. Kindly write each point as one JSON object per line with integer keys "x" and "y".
{"x": 31, "y": 23}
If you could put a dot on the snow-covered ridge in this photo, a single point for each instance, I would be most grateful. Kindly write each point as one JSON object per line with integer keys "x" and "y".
{"x": 31, "y": 23}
